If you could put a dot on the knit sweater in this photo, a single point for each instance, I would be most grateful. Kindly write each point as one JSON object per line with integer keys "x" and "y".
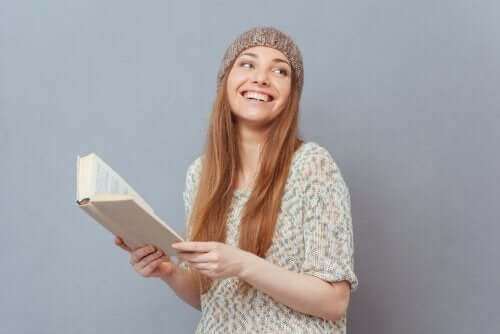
{"x": 313, "y": 236}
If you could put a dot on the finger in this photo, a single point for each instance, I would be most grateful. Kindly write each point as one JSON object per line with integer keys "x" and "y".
{"x": 194, "y": 246}
{"x": 119, "y": 242}
{"x": 124, "y": 247}
{"x": 205, "y": 266}
{"x": 141, "y": 252}
{"x": 198, "y": 257}
{"x": 151, "y": 257}
{"x": 147, "y": 259}
{"x": 208, "y": 273}
{"x": 147, "y": 270}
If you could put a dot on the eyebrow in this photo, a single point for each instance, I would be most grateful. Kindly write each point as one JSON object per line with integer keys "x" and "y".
{"x": 276, "y": 60}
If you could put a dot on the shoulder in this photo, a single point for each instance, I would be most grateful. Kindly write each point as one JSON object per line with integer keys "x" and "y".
{"x": 194, "y": 167}
{"x": 312, "y": 158}
{"x": 312, "y": 148}
{"x": 316, "y": 171}
{"x": 193, "y": 173}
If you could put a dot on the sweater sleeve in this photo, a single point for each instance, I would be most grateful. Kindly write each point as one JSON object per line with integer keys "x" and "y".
{"x": 328, "y": 236}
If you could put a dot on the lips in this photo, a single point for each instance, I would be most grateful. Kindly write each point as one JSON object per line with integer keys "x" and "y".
{"x": 257, "y": 96}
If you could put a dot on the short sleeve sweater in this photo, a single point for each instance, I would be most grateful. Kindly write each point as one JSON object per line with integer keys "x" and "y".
{"x": 313, "y": 236}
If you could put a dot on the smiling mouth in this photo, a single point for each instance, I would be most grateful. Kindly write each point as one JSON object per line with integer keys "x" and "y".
{"x": 256, "y": 97}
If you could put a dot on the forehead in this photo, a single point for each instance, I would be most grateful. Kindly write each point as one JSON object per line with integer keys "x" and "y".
{"x": 264, "y": 52}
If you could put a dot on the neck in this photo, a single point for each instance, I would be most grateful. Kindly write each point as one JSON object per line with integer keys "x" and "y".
{"x": 250, "y": 144}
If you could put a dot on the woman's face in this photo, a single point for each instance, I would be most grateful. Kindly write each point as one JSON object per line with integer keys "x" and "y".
{"x": 258, "y": 85}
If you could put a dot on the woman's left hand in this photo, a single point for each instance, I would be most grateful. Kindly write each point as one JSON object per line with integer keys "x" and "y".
{"x": 213, "y": 259}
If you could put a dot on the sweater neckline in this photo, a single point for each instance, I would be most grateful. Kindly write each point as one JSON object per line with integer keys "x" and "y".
{"x": 245, "y": 192}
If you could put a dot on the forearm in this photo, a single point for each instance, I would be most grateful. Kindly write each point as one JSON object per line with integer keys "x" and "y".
{"x": 184, "y": 286}
{"x": 301, "y": 292}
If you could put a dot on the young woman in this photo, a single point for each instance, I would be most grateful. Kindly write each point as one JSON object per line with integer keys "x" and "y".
{"x": 270, "y": 245}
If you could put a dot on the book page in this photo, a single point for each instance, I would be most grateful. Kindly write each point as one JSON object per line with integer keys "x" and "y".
{"x": 109, "y": 182}
{"x": 84, "y": 170}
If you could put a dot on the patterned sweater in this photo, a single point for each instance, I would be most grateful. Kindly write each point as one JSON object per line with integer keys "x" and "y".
{"x": 313, "y": 236}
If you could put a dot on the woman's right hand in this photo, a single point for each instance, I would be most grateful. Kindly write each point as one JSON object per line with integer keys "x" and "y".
{"x": 148, "y": 261}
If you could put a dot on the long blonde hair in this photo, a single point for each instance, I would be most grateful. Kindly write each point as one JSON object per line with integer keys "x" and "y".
{"x": 218, "y": 179}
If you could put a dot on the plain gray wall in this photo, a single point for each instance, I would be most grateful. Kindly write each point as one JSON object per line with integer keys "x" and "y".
{"x": 405, "y": 96}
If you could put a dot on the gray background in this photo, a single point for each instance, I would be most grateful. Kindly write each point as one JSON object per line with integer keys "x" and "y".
{"x": 403, "y": 94}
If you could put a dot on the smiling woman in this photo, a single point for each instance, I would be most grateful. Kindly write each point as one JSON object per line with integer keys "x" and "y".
{"x": 258, "y": 86}
{"x": 270, "y": 245}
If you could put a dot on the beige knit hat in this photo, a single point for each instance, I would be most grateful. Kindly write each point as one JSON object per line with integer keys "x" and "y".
{"x": 264, "y": 36}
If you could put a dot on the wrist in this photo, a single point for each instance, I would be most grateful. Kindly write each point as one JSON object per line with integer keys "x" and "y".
{"x": 174, "y": 271}
{"x": 249, "y": 265}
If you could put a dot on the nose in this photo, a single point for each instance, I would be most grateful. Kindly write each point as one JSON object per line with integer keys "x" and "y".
{"x": 260, "y": 77}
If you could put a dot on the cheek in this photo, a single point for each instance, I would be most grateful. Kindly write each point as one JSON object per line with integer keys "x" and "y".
{"x": 231, "y": 96}
{"x": 233, "y": 82}
{"x": 234, "y": 78}
{"x": 233, "y": 101}
{"x": 285, "y": 91}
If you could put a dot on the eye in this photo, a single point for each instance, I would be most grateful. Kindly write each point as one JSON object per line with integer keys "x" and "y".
{"x": 282, "y": 71}
{"x": 247, "y": 65}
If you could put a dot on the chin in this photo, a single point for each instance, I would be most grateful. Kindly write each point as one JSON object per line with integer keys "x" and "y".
{"x": 253, "y": 120}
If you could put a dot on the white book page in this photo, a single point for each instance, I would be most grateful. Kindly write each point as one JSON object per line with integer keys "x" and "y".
{"x": 109, "y": 182}
{"x": 84, "y": 170}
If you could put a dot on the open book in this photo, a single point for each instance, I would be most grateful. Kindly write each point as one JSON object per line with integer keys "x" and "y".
{"x": 113, "y": 203}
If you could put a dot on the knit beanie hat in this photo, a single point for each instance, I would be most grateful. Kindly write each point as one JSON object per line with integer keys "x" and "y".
{"x": 264, "y": 36}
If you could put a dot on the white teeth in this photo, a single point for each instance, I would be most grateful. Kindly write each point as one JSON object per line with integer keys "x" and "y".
{"x": 258, "y": 96}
